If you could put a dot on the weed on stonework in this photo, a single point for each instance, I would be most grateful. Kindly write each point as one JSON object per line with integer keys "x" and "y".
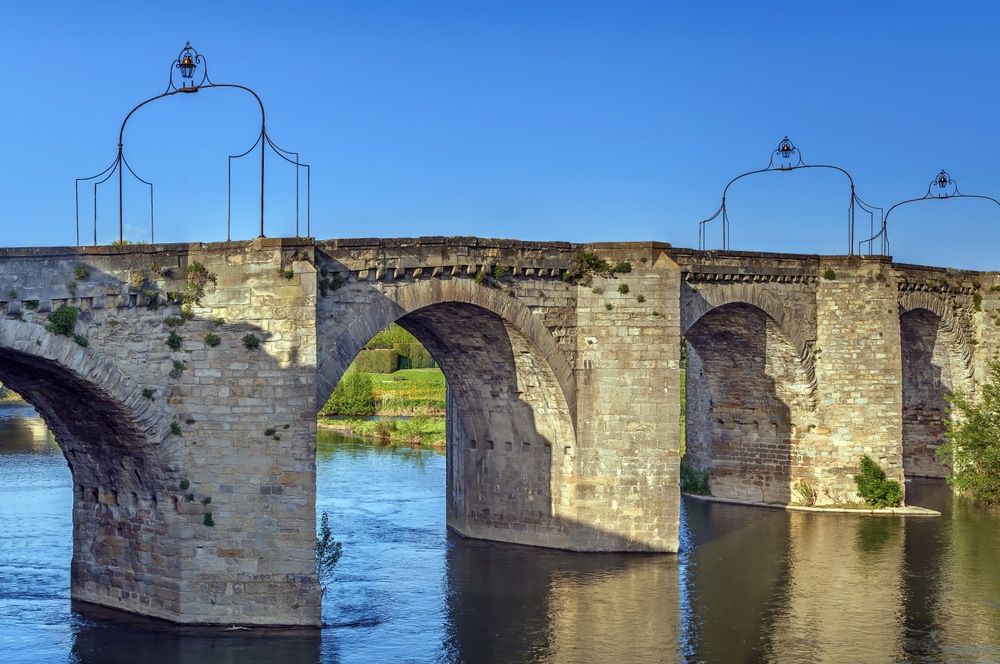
{"x": 694, "y": 480}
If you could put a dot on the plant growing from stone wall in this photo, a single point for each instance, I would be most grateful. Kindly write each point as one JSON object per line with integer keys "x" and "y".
{"x": 62, "y": 321}
{"x": 198, "y": 277}
{"x": 807, "y": 494}
{"x": 587, "y": 264}
{"x": 874, "y": 488}
{"x": 174, "y": 340}
{"x": 212, "y": 340}
{"x": 695, "y": 481}
{"x": 251, "y": 342}
{"x": 329, "y": 282}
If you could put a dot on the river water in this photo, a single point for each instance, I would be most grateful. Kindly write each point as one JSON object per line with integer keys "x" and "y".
{"x": 750, "y": 585}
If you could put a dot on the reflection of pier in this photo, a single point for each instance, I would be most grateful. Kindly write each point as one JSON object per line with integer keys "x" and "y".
{"x": 21, "y": 430}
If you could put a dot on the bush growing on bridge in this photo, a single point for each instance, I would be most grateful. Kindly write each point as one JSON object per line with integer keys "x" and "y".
{"x": 874, "y": 488}
{"x": 63, "y": 320}
{"x": 973, "y": 447}
{"x": 694, "y": 480}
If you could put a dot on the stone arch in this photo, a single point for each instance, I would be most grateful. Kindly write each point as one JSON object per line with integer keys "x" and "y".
{"x": 413, "y": 296}
{"x": 936, "y": 360}
{"x": 696, "y": 303}
{"x": 746, "y": 390}
{"x": 112, "y": 437}
{"x": 98, "y": 415}
{"x": 510, "y": 428}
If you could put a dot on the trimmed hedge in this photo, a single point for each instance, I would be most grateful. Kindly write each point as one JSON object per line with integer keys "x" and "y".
{"x": 380, "y": 361}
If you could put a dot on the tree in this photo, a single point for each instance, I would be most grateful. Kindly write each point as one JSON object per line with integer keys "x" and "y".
{"x": 328, "y": 552}
{"x": 973, "y": 447}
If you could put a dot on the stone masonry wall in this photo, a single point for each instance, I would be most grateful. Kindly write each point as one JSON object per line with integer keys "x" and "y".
{"x": 859, "y": 381}
{"x": 625, "y": 479}
{"x": 184, "y": 507}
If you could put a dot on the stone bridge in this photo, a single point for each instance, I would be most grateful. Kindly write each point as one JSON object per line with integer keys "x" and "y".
{"x": 182, "y": 383}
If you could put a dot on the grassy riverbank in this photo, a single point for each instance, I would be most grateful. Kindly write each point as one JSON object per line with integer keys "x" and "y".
{"x": 417, "y": 394}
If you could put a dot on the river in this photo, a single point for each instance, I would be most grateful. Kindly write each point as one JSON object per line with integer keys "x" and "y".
{"x": 750, "y": 585}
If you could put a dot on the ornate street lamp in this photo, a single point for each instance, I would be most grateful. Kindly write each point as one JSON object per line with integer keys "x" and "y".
{"x": 187, "y": 63}
{"x": 949, "y": 189}
{"x": 786, "y": 157}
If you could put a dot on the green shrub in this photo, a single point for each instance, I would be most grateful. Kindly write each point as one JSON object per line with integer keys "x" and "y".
{"x": 412, "y": 354}
{"x": 380, "y": 360}
{"x": 251, "y": 341}
{"x": 198, "y": 277}
{"x": 694, "y": 480}
{"x": 212, "y": 339}
{"x": 874, "y": 488}
{"x": 829, "y": 275}
{"x": 354, "y": 395}
{"x": 174, "y": 340}
{"x": 585, "y": 265}
{"x": 63, "y": 320}
{"x": 973, "y": 447}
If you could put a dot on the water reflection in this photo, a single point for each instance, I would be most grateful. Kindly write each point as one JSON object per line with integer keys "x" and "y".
{"x": 750, "y": 584}
{"x": 112, "y": 638}
{"x": 509, "y": 604}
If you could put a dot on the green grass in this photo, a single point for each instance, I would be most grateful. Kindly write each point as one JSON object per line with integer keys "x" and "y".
{"x": 410, "y": 392}
{"x": 418, "y": 394}
{"x": 422, "y": 430}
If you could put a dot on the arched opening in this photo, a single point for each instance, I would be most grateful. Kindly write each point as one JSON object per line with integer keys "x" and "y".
{"x": 509, "y": 435}
{"x": 509, "y": 430}
{"x": 108, "y": 437}
{"x": 927, "y": 379}
{"x": 745, "y": 387}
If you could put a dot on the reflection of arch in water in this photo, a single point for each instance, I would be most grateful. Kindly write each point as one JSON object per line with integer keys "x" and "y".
{"x": 937, "y": 360}
{"x": 745, "y": 383}
{"x": 510, "y": 430}
{"x": 114, "y": 441}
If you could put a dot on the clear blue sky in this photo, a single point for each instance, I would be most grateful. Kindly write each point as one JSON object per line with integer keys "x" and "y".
{"x": 530, "y": 119}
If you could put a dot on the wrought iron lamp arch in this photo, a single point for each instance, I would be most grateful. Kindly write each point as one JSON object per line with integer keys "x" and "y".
{"x": 187, "y": 63}
{"x": 786, "y": 157}
{"x": 949, "y": 189}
